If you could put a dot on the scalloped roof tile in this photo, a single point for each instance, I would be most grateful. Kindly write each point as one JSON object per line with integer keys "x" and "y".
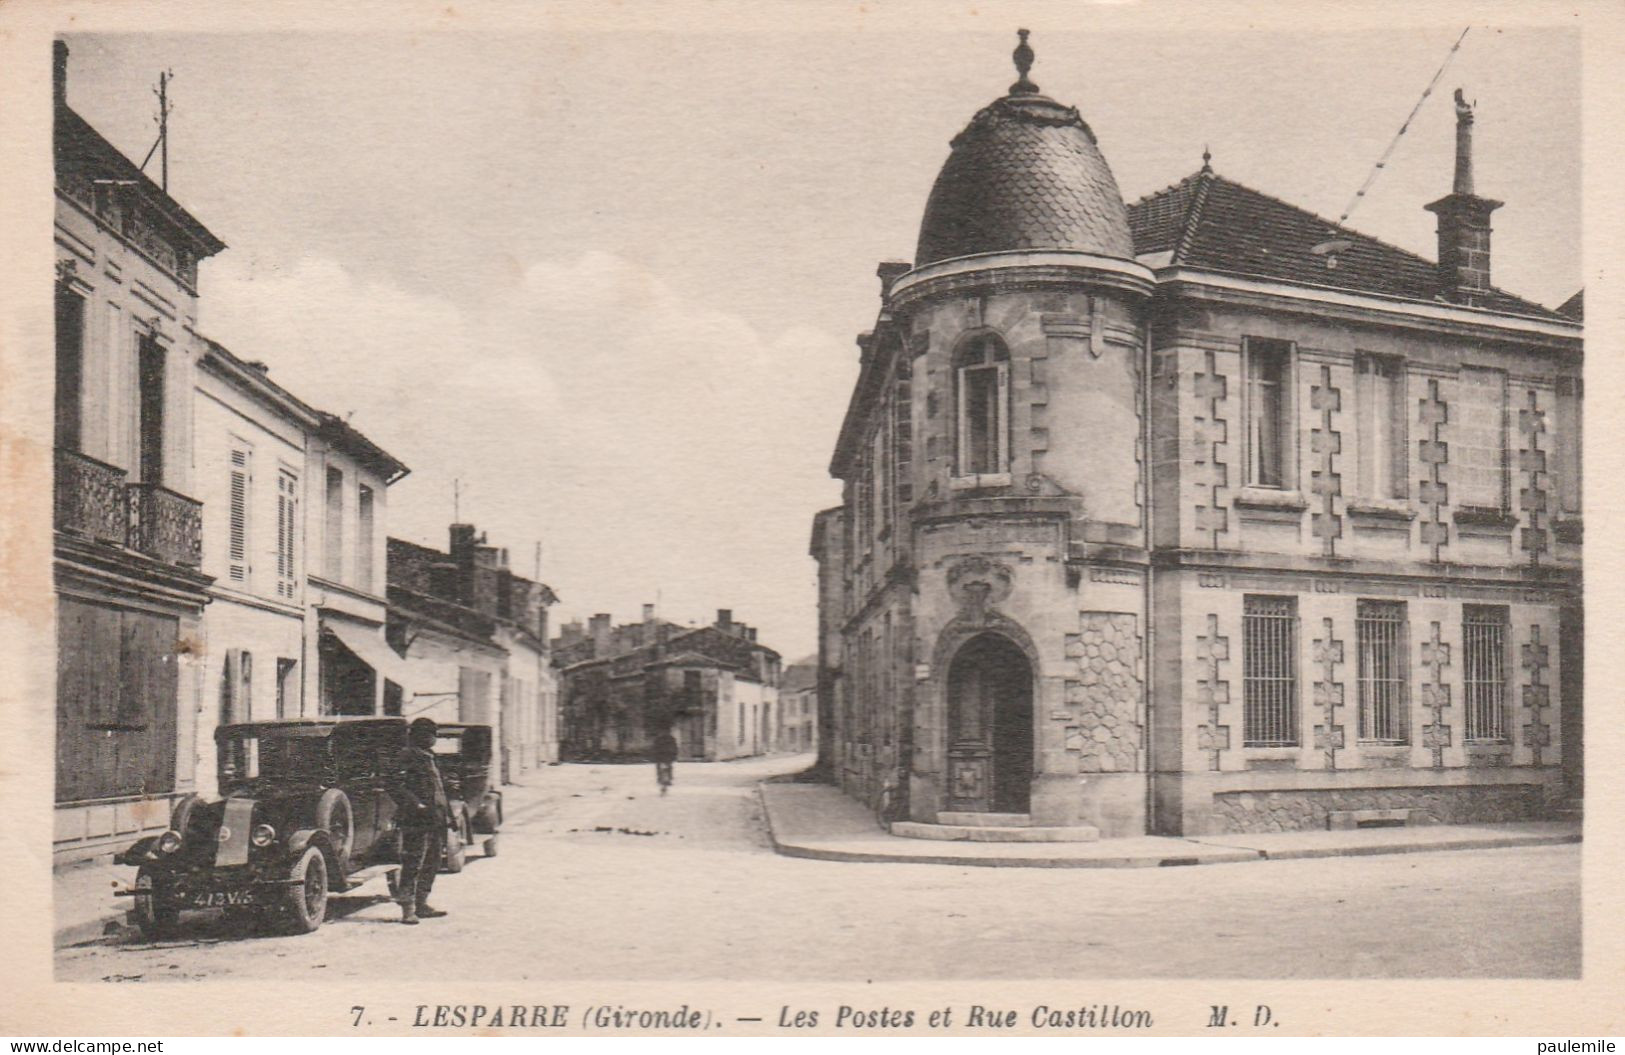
{"x": 1026, "y": 173}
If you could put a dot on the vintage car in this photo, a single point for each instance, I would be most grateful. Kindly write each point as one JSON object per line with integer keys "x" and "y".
{"x": 464, "y": 755}
{"x": 304, "y": 810}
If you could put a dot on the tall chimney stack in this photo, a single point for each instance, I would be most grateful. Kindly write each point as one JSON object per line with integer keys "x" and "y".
{"x": 1464, "y": 223}
{"x": 59, "y": 72}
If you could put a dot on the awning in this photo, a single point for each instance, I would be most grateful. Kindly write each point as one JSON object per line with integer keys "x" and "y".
{"x": 370, "y": 648}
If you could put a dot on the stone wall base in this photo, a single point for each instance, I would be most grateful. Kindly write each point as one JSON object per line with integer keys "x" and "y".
{"x": 1307, "y": 809}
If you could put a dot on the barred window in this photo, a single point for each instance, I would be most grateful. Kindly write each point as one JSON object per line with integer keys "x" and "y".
{"x": 1269, "y": 670}
{"x": 1383, "y": 671}
{"x": 1484, "y": 635}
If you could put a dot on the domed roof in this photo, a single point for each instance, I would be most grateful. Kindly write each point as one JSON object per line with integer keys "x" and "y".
{"x": 1024, "y": 174}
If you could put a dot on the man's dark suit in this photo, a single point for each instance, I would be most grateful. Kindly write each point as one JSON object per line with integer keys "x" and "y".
{"x": 423, "y": 811}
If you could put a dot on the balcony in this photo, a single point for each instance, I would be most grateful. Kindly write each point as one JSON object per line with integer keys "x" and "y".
{"x": 95, "y": 502}
{"x": 165, "y": 525}
{"x": 90, "y": 498}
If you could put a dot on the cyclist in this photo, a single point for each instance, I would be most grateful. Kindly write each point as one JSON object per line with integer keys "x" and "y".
{"x": 665, "y": 753}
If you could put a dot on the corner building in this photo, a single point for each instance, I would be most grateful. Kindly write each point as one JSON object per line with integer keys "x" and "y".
{"x": 1203, "y": 514}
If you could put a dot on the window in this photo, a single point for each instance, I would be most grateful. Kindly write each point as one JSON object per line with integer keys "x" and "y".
{"x": 1483, "y": 634}
{"x": 1269, "y": 671}
{"x": 741, "y": 721}
{"x": 70, "y": 366}
{"x": 882, "y": 477}
{"x": 363, "y": 538}
{"x": 1380, "y": 398}
{"x": 150, "y": 410}
{"x": 1478, "y": 456}
{"x": 1565, "y": 445}
{"x": 983, "y": 393}
{"x": 1269, "y": 411}
{"x": 287, "y": 519}
{"x": 333, "y": 564}
{"x": 1380, "y": 631}
{"x": 287, "y": 688}
{"x": 237, "y": 514}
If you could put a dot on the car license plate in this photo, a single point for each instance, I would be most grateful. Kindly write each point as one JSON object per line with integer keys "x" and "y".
{"x": 222, "y": 898}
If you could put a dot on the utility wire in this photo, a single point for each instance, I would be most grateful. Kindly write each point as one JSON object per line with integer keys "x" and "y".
{"x": 1382, "y": 162}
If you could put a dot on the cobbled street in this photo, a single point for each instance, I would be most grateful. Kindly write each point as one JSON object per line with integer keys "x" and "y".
{"x": 600, "y": 878}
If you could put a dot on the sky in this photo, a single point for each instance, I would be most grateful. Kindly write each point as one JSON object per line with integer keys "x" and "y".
{"x": 610, "y": 282}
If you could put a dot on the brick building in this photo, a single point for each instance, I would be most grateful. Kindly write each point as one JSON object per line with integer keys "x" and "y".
{"x": 1199, "y": 514}
{"x": 715, "y": 686}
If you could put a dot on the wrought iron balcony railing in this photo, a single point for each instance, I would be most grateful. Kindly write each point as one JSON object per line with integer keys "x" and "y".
{"x": 94, "y": 501}
{"x": 90, "y": 498}
{"x": 165, "y": 525}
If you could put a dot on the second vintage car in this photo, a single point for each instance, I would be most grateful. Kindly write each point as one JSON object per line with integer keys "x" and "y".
{"x": 305, "y": 810}
{"x": 464, "y": 754}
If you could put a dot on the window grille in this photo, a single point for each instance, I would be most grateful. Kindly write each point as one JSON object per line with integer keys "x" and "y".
{"x": 1483, "y": 631}
{"x": 1269, "y": 632}
{"x": 1383, "y": 673}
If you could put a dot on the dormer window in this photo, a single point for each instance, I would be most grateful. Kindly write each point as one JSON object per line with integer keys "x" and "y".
{"x": 982, "y": 381}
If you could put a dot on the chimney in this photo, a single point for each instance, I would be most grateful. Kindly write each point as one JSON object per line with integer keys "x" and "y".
{"x": 462, "y": 549}
{"x": 725, "y": 618}
{"x": 59, "y": 72}
{"x": 648, "y": 613}
{"x": 890, "y": 271}
{"x": 598, "y": 629}
{"x": 1464, "y": 223}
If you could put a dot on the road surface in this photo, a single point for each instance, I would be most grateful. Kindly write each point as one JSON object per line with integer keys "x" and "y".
{"x": 601, "y": 878}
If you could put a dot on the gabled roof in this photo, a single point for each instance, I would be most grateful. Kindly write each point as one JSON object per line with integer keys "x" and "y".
{"x": 1210, "y": 223}
{"x": 1575, "y": 307}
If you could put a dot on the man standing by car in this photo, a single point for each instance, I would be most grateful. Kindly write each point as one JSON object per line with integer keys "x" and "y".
{"x": 424, "y": 812}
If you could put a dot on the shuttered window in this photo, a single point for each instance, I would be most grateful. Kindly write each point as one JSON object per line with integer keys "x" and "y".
{"x": 237, "y": 528}
{"x": 287, "y": 518}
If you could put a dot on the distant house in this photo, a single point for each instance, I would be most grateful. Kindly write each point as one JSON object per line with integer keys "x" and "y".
{"x": 716, "y": 687}
{"x": 474, "y": 637}
{"x": 798, "y": 707}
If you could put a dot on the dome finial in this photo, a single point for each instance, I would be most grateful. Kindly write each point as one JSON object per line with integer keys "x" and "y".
{"x": 1023, "y": 56}
{"x": 1207, "y": 159}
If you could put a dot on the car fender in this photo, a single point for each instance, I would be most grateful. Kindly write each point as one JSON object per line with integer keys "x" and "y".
{"x": 306, "y": 837}
{"x": 139, "y": 852}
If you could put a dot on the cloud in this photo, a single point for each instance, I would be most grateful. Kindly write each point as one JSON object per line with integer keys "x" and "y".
{"x": 656, "y": 447}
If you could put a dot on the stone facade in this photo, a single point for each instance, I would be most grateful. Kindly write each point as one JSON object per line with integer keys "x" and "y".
{"x": 1146, "y": 542}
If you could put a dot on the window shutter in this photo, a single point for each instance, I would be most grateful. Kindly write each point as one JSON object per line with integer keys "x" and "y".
{"x": 237, "y": 546}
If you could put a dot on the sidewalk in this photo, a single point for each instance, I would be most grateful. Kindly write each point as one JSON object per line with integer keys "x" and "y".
{"x": 85, "y": 909}
{"x": 817, "y": 821}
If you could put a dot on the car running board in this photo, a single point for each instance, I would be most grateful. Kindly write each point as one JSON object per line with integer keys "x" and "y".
{"x": 371, "y": 872}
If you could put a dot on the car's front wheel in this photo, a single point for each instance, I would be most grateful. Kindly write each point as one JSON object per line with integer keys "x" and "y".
{"x": 305, "y": 900}
{"x": 156, "y": 916}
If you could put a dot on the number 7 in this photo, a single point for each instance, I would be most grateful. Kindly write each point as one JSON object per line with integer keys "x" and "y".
{"x": 358, "y": 1013}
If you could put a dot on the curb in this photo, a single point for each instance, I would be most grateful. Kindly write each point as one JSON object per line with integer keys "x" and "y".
{"x": 1201, "y": 855}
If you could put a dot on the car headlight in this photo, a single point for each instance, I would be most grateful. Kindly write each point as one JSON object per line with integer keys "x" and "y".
{"x": 262, "y": 835}
{"x": 169, "y": 842}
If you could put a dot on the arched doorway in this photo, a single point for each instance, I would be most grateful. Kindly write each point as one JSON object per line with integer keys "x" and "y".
{"x": 990, "y": 727}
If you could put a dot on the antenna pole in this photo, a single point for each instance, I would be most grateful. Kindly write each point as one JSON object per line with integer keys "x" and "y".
{"x": 163, "y": 125}
{"x": 456, "y": 501}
